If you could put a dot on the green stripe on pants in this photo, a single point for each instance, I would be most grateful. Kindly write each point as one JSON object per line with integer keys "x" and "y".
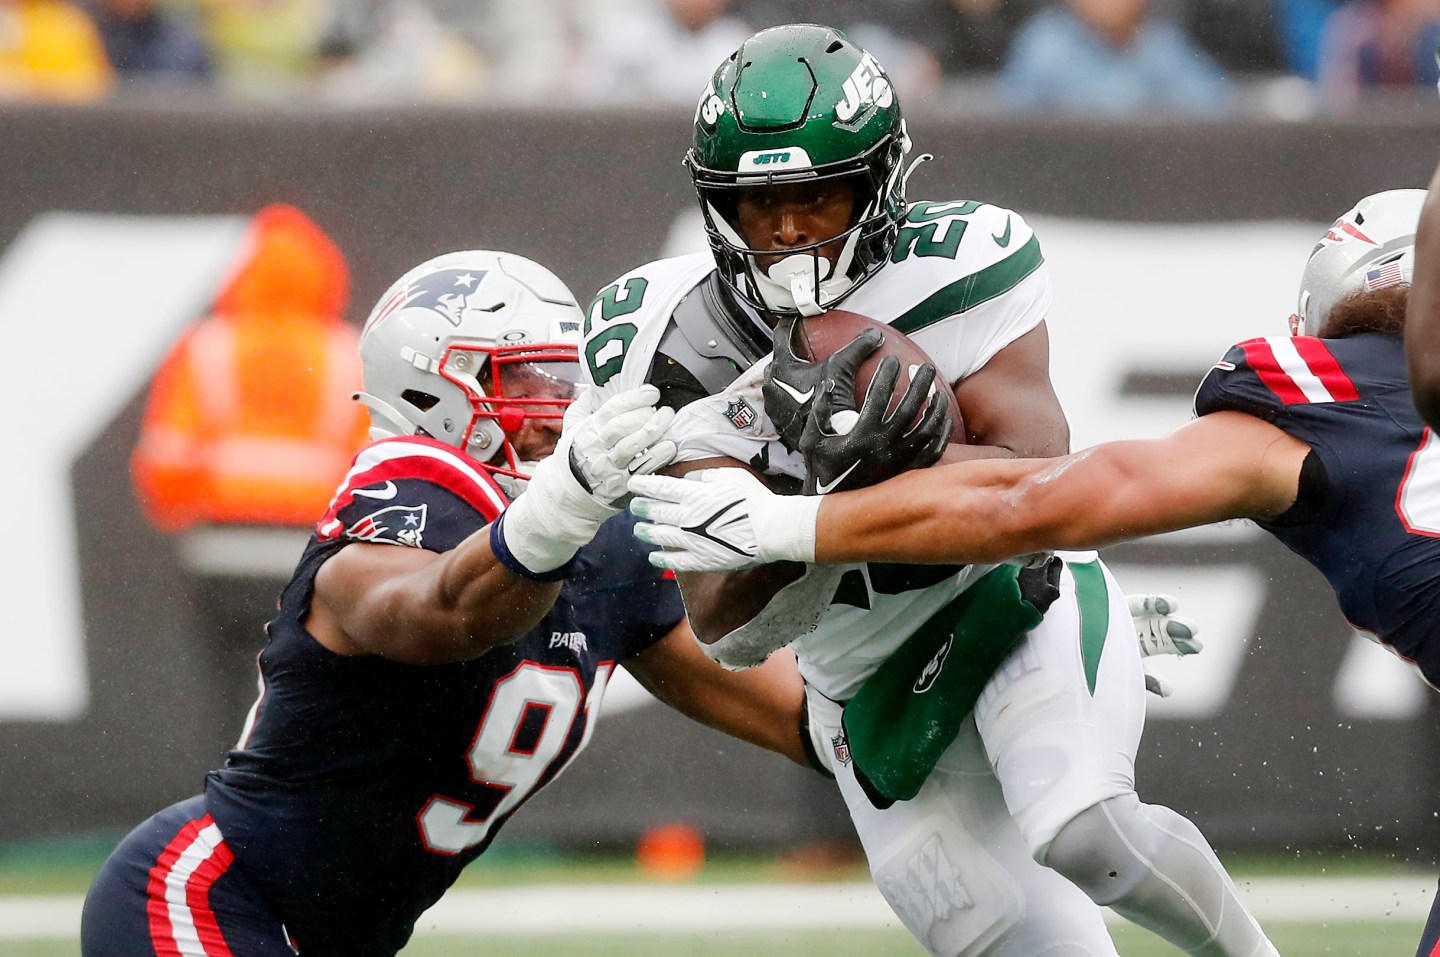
{"x": 1093, "y": 599}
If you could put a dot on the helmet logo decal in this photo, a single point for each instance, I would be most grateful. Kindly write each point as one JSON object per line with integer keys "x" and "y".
{"x": 709, "y": 109}
{"x": 868, "y": 84}
{"x": 1385, "y": 275}
{"x": 446, "y": 292}
{"x": 1343, "y": 230}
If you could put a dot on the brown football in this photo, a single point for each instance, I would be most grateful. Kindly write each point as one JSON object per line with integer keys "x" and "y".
{"x": 820, "y": 336}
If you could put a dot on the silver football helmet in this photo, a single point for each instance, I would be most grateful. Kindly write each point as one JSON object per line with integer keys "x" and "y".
{"x": 468, "y": 347}
{"x": 1370, "y": 247}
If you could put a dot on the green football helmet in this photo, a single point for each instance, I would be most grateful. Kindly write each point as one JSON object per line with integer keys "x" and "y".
{"x": 795, "y": 104}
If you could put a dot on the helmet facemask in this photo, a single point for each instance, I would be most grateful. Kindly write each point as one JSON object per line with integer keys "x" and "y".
{"x": 804, "y": 280}
{"x": 525, "y": 391}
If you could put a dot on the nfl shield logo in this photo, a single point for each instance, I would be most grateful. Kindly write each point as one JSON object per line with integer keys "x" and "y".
{"x": 841, "y": 744}
{"x": 740, "y": 414}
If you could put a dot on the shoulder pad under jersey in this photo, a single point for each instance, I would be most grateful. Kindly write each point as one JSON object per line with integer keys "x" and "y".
{"x": 710, "y": 339}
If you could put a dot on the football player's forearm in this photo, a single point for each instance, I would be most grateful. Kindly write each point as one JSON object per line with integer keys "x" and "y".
{"x": 422, "y": 608}
{"x": 990, "y": 511}
{"x": 949, "y": 513}
{"x": 484, "y": 603}
{"x": 720, "y": 602}
{"x": 761, "y": 706}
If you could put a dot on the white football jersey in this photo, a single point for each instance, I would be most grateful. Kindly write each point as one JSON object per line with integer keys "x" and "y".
{"x": 965, "y": 280}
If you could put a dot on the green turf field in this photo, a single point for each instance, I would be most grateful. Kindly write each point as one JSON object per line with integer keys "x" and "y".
{"x": 64, "y": 869}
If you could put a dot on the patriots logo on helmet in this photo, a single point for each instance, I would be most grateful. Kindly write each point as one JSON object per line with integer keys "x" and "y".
{"x": 740, "y": 413}
{"x": 396, "y": 525}
{"x": 1344, "y": 230}
{"x": 446, "y": 292}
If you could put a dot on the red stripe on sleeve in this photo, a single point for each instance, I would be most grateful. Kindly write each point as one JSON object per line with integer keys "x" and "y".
{"x": 433, "y": 461}
{"x": 1260, "y": 357}
{"x": 1325, "y": 367}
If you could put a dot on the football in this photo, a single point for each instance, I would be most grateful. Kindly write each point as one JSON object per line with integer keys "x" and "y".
{"x": 820, "y": 336}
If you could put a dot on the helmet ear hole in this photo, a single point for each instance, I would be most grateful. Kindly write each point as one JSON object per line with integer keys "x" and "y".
{"x": 423, "y": 401}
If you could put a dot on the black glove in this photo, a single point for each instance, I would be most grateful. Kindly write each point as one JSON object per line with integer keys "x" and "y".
{"x": 1040, "y": 583}
{"x": 875, "y": 448}
{"x": 791, "y": 382}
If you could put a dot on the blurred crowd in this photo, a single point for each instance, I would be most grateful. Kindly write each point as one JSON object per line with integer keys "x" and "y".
{"x": 1197, "y": 57}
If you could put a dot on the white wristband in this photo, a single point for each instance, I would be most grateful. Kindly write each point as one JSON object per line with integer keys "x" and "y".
{"x": 785, "y": 527}
{"x": 553, "y": 517}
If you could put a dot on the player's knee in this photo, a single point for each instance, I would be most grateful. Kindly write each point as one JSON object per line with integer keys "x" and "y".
{"x": 1096, "y": 849}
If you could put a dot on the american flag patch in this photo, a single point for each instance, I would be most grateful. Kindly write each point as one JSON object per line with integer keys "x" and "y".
{"x": 1383, "y": 277}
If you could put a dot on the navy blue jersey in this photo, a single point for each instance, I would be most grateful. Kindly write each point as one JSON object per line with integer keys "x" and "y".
{"x": 361, "y": 786}
{"x": 1376, "y": 536}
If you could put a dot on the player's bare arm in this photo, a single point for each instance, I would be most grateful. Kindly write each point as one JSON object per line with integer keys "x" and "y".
{"x": 1221, "y": 466}
{"x": 423, "y": 607}
{"x": 762, "y": 705}
{"x": 1422, "y": 318}
{"x": 1009, "y": 406}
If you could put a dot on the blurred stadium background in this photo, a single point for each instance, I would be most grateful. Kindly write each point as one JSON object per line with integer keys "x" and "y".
{"x": 258, "y": 202}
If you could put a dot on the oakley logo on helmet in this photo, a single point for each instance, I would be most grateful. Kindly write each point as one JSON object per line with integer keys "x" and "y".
{"x": 868, "y": 84}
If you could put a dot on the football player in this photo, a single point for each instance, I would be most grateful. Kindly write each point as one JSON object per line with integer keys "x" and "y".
{"x": 1313, "y": 437}
{"x": 434, "y": 660}
{"x": 1005, "y": 842}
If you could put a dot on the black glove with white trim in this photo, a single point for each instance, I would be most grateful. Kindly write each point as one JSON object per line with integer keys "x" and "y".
{"x": 847, "y": 450}
{"x": 791, "y": 382}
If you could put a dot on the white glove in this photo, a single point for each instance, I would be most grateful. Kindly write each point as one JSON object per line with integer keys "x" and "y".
{"x": 615, "y": 439}
{"x": 573, "y": 491}
{"x": 720, "y": 519}
{"x": 1161, "y": 632}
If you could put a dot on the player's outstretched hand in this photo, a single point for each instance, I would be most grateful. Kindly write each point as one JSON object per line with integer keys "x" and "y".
{"x": 583, "y": 483}
{"x": 846, "y": 450}
{"x": 1162, "y": 632}
{"x": 721, "y": 519}
{"x": 608, "y": 442}
{"x": 791, "y": 383}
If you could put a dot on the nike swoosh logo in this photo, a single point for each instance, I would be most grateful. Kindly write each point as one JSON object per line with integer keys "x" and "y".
{"x": 824, "y": 488}
{"x": 794, "y": 393}
{"x": 386, "y": 491}
{"x": 1003, "y": 239}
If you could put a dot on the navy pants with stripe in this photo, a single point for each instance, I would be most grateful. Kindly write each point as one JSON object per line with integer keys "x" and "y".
{"x": 169, "y": 890}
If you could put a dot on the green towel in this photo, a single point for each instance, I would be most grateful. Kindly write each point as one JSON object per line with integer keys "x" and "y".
{"x": 908, "y": 712}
